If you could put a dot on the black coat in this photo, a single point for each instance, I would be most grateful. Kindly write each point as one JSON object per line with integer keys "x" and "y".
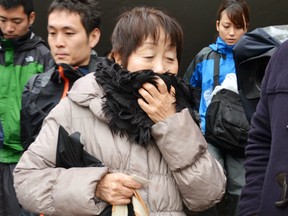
{"x": 267, "y": 150}
{"x": 42, "y": 93}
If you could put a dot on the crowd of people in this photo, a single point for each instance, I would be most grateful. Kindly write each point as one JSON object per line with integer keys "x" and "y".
{"x": 83, "y": 134}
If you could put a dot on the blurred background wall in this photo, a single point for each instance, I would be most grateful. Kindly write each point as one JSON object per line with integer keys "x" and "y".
{"x": 197, "y": 17}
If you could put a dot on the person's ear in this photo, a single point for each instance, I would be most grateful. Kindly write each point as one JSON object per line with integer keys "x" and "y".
{"x": 94, "y": 37}
{"x": 217, "y": 25}
{"x": 31, "y": 18}
{"x": 117, "y": 58}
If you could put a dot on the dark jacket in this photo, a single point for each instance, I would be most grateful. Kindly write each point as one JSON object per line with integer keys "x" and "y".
{"x": 20, "y": 58}
{"x": 43, "y": 92}
{"x": 252, "y": 53}
{"x": 267, "y": 150}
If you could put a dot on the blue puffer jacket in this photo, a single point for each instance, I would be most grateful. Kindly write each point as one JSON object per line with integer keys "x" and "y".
{"x": 201, "y": 71}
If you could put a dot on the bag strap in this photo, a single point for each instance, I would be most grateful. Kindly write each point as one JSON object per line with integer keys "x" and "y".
{"x": 139, "y": 206}
{"x": 32, "y": 81}
{"x": 216, "y": 57}
{"x": 44, "y": 79}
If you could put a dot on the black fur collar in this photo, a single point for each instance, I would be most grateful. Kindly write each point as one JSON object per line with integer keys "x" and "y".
{"x": 121, "y": 93}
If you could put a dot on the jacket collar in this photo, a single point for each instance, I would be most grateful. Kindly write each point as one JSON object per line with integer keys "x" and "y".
{"x": 74, "y": 73}
{"x": 16, "y": 42}
{"x": 221, "y": 47}
{"x": 27, "y": 42}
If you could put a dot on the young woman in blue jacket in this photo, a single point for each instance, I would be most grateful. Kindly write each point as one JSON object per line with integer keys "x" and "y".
{"x": 232, "y": 22}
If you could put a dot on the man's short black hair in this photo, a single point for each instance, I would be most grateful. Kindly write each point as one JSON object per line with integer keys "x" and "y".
{"x": 87, "y": 9}
{"x": 27, "y": 5}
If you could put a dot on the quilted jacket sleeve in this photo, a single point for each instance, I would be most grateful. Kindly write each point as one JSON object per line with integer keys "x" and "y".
{"x": 41, "y": 187}
{"x": 199, "y": 176}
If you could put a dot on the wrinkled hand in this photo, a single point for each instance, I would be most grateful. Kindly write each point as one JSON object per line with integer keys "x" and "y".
{"x": 115, "y": 188}
{"x": 159, "y": 104}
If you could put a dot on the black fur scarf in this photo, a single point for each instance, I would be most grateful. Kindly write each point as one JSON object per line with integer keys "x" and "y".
{"x": 120, "y": 106}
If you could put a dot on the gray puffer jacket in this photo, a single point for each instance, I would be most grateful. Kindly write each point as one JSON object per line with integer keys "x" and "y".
{"x": 178, "y": 165}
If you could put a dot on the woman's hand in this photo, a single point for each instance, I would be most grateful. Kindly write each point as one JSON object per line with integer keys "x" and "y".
{"x": 159, "y": 104}
{"x": 115, "y": 188}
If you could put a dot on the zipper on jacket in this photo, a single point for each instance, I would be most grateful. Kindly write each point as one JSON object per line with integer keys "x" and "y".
{"x": 66, "y": 82}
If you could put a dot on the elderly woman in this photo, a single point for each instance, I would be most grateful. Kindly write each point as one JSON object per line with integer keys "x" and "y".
{"x": 170, "y": 159}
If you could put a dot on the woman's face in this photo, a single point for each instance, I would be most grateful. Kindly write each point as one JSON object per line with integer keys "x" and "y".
{"x": 158, "y": 56}
{"x": 229, "y": 32}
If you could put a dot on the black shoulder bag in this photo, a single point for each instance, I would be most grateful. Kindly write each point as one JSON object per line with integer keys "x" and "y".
{"x": 226, "y": 123}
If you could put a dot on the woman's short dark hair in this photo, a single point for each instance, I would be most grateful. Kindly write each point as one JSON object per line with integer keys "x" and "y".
{"x": 134, "y": 26}
{"x": 87, "y": 9}
{"x": 237, "y": 11}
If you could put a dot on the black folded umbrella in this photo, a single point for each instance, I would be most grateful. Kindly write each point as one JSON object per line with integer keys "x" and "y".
{"x": 70, "y": 152}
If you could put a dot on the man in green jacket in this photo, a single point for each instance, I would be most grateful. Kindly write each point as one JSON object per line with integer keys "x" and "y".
{"x": 22, "y": 54}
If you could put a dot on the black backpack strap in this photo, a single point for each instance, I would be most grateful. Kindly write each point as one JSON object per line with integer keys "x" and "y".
{"x": 46, "y": 77}
{"x": 32, "y": 81}
{"x": 31, "y": 116}
{"x": 216, "y": 57}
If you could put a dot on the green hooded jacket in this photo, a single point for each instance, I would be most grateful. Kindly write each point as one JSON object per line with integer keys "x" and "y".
{"x": 20, "y": 58}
